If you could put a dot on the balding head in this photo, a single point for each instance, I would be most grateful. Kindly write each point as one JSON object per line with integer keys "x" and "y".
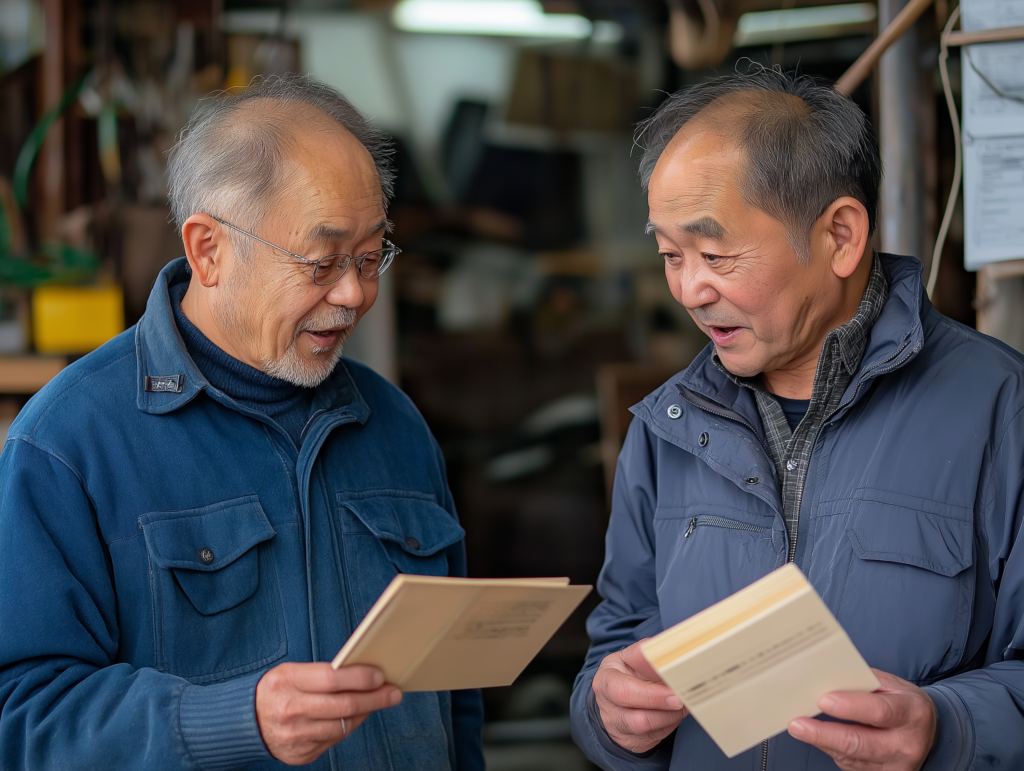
{"x": 803, "y": 145}
{"x": 230, "y": 160}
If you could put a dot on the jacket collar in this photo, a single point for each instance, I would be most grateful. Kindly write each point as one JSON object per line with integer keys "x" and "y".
{"x": 895, "y": 338}
{"x": 168, "y": 379}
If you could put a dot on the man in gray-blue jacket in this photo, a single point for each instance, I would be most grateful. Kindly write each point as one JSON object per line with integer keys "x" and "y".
{"x": 837, "y": 421}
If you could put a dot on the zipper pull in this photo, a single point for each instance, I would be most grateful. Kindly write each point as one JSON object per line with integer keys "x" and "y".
{"x": 690, "y": 528}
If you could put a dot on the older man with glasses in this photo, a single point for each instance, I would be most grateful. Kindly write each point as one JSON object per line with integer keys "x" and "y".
{"x": 194, "y": 517}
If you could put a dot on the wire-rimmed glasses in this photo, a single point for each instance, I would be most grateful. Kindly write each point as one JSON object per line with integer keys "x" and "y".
{"x": 329, "y": 269}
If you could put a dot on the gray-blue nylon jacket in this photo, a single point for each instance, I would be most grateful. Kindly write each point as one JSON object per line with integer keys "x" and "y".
{"x": 908, "y": 520}
{"x": 162, "y": 546}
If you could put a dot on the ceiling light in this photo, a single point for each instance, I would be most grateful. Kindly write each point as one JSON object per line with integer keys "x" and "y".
{"x": 520, "y": 18}
{"x": 804, "y": 24}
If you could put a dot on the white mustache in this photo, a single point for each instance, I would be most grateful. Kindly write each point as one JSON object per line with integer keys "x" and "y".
{"x": 341, "y": 317}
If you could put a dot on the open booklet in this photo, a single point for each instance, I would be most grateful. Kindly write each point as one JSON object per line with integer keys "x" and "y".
{"x": 432, "y": 633}
{"x": 749, "y": 664}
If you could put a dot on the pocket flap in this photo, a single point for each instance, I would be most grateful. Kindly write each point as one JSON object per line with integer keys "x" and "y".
{"x": 928, "y": 534}
{"x": 418, "y": 525}
{"x": 207, "y": 538}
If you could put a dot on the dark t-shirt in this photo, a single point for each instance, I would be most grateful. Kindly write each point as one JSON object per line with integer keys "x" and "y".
{"x": 793, "y": 409}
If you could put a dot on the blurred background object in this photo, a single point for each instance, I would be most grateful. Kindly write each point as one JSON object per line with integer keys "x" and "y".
{"x": 528, "y": 309}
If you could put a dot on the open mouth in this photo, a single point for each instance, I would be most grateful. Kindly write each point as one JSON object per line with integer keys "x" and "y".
{"x": 723, "y": 335}
{"x": 325, "y": 338}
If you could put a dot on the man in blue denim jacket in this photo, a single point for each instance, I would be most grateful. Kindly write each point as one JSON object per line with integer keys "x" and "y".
{"x": 195, "y": 517}
{"x": 837, "y": 421}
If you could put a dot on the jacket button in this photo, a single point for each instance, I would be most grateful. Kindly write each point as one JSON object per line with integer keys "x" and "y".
{"x": 703, "y": 439}
{"x": 752, "y": 480}
{"x": 674, "y": 411}
{"x": 206, "y": 556}
{"x": 412, "y": 543}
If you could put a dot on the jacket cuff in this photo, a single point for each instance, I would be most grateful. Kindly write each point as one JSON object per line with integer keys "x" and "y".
{"x": 954, "y": 732}
{"x": 218, "y": 724}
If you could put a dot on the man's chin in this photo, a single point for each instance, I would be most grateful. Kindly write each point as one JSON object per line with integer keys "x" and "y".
{"x": 738, "y": 364}
{"x": 305, "y": 370}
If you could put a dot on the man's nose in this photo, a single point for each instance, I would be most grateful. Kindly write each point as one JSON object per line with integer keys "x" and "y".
{"x": 347, "y": 290}
{"x": 696, "y": 287}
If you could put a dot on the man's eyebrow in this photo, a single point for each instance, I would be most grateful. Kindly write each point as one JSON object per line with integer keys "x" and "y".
{"x": 705, "y": 227}
{"x": 328, "y": 233}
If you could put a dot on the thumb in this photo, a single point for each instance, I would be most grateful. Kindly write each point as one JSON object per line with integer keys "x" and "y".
{"x": 633, "y": 657}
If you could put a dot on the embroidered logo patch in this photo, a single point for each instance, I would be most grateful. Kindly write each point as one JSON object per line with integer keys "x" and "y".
{"x": 165, "y": 384}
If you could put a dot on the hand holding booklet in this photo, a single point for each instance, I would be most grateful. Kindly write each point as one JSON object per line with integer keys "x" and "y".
{"x": 429, "y": 633}
{"x": 749, "y": 664}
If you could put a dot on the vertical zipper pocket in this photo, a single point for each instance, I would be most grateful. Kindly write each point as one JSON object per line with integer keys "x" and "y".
{"x": 731, "y": 524}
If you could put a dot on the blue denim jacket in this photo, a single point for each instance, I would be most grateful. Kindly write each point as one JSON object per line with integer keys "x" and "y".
{"x": 161, "y": 547}
{"x": 909, "y": 524}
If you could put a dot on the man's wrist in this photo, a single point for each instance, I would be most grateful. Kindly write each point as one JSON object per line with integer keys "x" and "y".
{"x": 954, "y": 731}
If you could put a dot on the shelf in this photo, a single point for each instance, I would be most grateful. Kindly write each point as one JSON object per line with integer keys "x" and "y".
{"x": 27, "y": 374}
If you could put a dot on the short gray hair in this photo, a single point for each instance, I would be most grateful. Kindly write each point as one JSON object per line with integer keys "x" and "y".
{"x": 799, "y": 158}
{"x": 227, "y": 160}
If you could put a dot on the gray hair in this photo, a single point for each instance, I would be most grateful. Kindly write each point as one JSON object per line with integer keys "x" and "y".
{"x": 227, "y": 160}
{"x": 800, "y": 155}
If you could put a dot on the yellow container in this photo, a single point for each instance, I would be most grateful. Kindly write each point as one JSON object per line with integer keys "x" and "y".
{"x": 75, "y": 319}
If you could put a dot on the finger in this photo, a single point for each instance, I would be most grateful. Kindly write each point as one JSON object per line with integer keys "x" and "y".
{"x": 334, "y": 706}
{"x": 629, "y": 691}
{"x": 634, "y": 658}
{"x": 881, "y": 709}
{"x": 839, "y": 740}
{"x": 639, "y": 722}
{"x": 319, "y": 677}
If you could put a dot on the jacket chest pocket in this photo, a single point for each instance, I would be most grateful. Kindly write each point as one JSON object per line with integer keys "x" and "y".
{"x": 217, "y": 599}
{"x": 384, "y": 535}
{"x": 909, "y": 591}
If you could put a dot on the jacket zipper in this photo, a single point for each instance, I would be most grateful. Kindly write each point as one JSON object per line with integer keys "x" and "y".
{"x": 730, "y": 524}
{"x": 881, "y": 369}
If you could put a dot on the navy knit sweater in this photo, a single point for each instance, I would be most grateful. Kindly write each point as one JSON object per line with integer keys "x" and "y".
{"x": 286, "y": 404}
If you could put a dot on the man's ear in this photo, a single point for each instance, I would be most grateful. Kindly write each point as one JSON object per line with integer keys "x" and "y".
{"x": 206, "y": 247}
{"x": 842, "y": 231}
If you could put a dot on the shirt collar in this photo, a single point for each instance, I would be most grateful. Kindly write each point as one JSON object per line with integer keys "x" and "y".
{"x": 168, "y": 379}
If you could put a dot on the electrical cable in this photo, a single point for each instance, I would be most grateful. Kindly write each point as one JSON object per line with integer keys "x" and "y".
{"x": 954, "y": 189}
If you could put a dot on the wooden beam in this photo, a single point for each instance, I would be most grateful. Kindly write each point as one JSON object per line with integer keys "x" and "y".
{"x": 861, "y": 68}
{"x": 985, "y": 36}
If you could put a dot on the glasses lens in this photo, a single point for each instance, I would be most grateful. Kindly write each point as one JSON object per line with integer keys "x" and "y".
{"x": 375, "y": 263}
{"x": 329, "y": 269}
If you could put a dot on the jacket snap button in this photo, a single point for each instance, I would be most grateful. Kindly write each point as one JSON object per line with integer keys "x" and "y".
{"x": 412, "y": 543}
{"x": 206, "y": 556}
{"x": 703, "y": 439}
{"x": 675, "y": 411}
{"x": 752, "y": 480}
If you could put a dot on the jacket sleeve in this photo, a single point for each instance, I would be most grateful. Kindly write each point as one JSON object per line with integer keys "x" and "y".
{"x": 981, "y": 712}
{"x": 468, "y": 705}
{"x": 65, "y": 701}
{"x": 629, "y": 608}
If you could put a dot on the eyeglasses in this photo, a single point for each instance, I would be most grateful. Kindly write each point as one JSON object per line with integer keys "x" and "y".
{"x": 329, "y": 269}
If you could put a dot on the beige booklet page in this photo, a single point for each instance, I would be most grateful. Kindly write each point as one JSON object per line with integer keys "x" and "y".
{"x": 749, "y": 664}
{"x": 439, "y": 634}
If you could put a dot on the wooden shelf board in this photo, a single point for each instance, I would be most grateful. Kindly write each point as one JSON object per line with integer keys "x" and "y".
{"x": 27, "y": 374}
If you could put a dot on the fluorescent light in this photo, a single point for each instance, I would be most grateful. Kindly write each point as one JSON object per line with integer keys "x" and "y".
{"x": 520, "y": 18}
{"x": 804, "y": 23}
